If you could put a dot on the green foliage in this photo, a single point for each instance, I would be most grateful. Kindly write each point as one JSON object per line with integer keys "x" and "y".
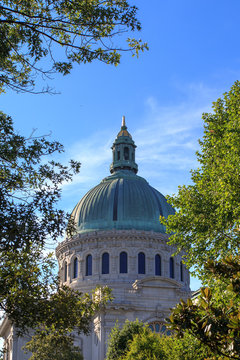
{"x": 151, "y": 346}
{"x": 66, "y": 32}
{"x": 30, "y": 188}
{"x": 214, "y": 317}
{"x": 50, "y": 344}
{"x": 65, "y": 312}
{"x": 207, "y": 222}
{"x": 144, "y": 346}
{"x": 120, "y": 338}
{"x": 207, "y": 225}
{"x": 135, "y": 341}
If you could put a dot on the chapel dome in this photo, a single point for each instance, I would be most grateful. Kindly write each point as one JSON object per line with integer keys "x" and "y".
{"x": 123, "y": 200}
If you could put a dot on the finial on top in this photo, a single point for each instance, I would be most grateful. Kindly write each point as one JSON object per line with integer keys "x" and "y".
{"x": 123, "y": 121}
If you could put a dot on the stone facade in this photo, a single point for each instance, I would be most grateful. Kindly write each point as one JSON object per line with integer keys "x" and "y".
{"x": 12, "y": 342}
{"x": 147, "y": 297}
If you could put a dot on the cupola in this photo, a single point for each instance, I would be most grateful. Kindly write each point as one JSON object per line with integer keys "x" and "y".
{"x": 123, "y": 150}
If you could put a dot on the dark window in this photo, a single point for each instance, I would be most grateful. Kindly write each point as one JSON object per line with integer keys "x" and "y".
{"x": 65, "y": 271}
{"x": 141, "y": 263}
{"x": 89, "y": 265}
{"x": 158, "y": 265}
{"x": 171, "y": 268}
{"x": 126, "y": 153}
{"x": 105, "y": 263}
{"x": 123, "y": 263}
{"x": 163, "y": 328}
{"x": 75, "y": 268}
{"x": 181, "y": 271}
{"x": 151, "y": 327}
{"x": 118, "y": 155}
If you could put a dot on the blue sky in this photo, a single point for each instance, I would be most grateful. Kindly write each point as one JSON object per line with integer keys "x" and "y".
{"x": 194, "y": 57}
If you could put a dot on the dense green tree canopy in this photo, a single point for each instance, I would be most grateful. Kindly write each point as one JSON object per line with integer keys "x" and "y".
{"x": 66, "y": 312}
{"x": 207, "y": 222}
{"x": 207, "y": 226}
{"x": 49, "y": 345}
{"x": 213, "y": 318}
{"x": 135, "y": 341}
{"x": 64, "y": 31}
{"x": 120, "y": 338}
{"x": 29, "y": 190}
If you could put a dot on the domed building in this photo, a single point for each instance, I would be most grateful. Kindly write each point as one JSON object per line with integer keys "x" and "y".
{"x": 121, "y": 243}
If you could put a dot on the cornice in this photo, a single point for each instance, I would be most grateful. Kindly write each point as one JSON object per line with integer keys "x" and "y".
{"x": 106, "y": 235}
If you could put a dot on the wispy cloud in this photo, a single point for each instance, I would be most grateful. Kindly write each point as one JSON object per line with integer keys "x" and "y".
{"x": 167, "y": 139}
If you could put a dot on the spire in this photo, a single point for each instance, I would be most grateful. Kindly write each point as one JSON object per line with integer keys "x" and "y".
{"x": 123, "y": 131}
{"x": 123, "y": 151}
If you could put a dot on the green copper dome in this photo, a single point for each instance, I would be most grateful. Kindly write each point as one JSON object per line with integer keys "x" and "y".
{"x": 123, "y": 200}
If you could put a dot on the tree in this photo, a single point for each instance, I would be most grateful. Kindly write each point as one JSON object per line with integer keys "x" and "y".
{"x": 64, "y": 31}
{"x": 207, "y": 226}
{"x": 29, "y": 191}
{"x": 120, "y": 338}
{"x": 53, "y": 345}
{"x": 54, "y": 339}
{"x": 145, "y": 346}
{"x": 135, "y": 341}
{"x": 30, "y": 293}
{"x": 207, "y": 222}
{"x": 151, "y": 346}
{"x": 214, "y": 317}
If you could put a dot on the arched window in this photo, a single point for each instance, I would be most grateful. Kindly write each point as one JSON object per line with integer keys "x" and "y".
{"x": 105, "y": 263}
{"x": 181, "y": 271}
{"x": 126, "y": 153}
{"x": 75, "y": 268}
{"x": 159, "y": 327}
{"x": 171, "y": 268}
{"x": 123, "y": 263}
{"x": 158, "y": 265}
{"x": 65, "y": 271}
{"x": 141, "y": 263}
{"x": 89, "y": 265}
{"x": 118, "y": 155}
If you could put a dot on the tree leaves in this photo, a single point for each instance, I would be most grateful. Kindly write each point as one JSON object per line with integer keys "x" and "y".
{"x": 207, "y": 222}
{"x": 136, "y": 341}
{"x": 65, "y": 312}
{"x": 214, "y": 321}
{"x": 207, "y": 227}
{"x": 66, "y": 32}
{"x": 30, "y": 189}
{"x": 30, "y": 293}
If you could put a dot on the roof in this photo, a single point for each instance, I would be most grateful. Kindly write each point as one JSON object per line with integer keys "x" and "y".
{"x": 122, "y": 201}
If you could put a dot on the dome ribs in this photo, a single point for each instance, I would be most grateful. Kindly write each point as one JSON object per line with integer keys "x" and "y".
{"x": 157, "y": 200}
{"x": 122, "y": 201}
{"x": 115, "y": 202}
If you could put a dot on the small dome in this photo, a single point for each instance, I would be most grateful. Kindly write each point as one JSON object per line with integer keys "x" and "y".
{"x": 122, "y": 201}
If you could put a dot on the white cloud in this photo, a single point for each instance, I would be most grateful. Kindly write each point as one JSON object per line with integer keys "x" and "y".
{"x": 166, "y": 138}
